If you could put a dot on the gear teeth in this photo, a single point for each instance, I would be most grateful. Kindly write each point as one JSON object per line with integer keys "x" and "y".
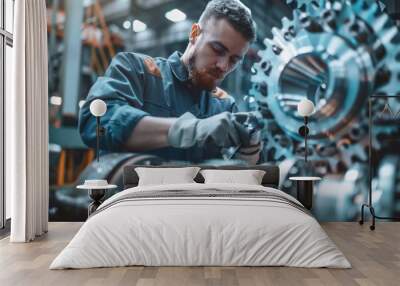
{"x": 373, "y": 9}
{"x": 380, "y": 23}
{"x": 268, "y": 43}
{"x": 388, "y": 35}
{"x": 358, "y": 5}
{"x": 328, "y": 5}
{"x": 269, "y": 51}
{"x": 296, "y": 18}
{"x": 278, "y": 37}
{"x": 313, "y": 9}
{"x": 370, "y": 15}
{"x": 286, "y": 22}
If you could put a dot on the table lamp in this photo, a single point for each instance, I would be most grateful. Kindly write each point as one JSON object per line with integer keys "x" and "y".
{"x": 305, "y": 108}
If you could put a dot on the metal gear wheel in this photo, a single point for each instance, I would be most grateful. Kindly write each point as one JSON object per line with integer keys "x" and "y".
{"x": 335, "y": 53}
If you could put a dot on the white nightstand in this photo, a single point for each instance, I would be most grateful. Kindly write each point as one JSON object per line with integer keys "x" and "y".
{"x": 96, "y": 190}
{"x": 305, "y": 189}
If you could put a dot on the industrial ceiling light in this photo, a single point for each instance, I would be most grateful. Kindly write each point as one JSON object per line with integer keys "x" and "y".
{"x": 126, "y": 24}
{"x": 55, "y": 100}
{"x": 139, "y": 26}
{"x": 175, "y": 15}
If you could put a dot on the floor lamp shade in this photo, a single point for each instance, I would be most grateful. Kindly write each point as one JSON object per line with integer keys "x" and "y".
{"x": 98, "y": 108}
{"x": 305, "y": 107}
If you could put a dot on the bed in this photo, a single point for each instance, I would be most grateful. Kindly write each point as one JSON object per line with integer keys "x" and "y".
{"x": 198, "y": 224}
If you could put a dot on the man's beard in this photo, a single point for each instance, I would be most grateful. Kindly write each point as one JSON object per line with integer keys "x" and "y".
{"x": 201, "y": 78}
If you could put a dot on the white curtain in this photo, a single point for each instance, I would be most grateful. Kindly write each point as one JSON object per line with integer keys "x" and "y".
{"x": 27, "y": 124}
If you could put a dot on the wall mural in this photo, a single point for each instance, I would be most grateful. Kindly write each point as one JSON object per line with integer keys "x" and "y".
{"x": 339, "y": 55}
{"x": 330, "y": 53}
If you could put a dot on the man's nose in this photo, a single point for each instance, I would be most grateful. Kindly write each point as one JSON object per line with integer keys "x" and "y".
{"x": 223, "y": 64}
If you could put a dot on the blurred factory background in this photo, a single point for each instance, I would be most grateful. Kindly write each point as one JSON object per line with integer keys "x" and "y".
{"x": 336, "y": 53}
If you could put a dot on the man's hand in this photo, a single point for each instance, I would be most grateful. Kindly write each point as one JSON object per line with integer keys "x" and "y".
{"x": 222, "y": 130}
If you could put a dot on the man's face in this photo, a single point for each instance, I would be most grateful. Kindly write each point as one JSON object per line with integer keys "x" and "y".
{"x": 217, "y": 50}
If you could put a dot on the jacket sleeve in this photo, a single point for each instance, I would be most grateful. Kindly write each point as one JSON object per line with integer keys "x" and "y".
{"x": 121, "y": 88}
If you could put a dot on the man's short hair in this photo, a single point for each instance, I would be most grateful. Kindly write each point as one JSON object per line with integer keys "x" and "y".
{"x": 235, "y": 12}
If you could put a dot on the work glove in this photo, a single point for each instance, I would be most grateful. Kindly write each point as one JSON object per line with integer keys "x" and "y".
{"x": 250, "y": 150}
{"x": 221, "y": 130}
{"x": 251, "y": 123}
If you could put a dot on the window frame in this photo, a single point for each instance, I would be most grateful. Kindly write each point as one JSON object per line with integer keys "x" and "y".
{"x": 6, "y": 39}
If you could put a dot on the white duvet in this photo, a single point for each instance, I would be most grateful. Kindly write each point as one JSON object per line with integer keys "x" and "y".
{"x": 183, "y": 231}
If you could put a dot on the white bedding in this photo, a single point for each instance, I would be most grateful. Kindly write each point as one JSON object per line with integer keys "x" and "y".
{"x": 182, "y": 231}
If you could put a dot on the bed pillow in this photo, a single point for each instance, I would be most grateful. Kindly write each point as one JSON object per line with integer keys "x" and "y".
{"x": 164, "y": 176}
{"x": 248, "y": 177}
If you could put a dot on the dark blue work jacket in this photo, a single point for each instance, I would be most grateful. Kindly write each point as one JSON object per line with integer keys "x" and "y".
{"x": 137, "y": 85}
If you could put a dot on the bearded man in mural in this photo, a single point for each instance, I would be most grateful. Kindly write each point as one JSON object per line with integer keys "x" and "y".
{"x": 172, "y": 107}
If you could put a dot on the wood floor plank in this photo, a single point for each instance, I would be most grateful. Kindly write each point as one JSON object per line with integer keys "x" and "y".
{"x": 375, "y": 258}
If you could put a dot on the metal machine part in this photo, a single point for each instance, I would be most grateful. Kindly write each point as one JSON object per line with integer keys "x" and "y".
{"x": 110, "y": 166}
{"x": 386, "y": 186}
{"x": 69, "y": 204}
{"x": 345, "y": 204}
{"x": 252, "y": 122}
{"x": 337, "y": 54}
{"x": 336, "y": 58}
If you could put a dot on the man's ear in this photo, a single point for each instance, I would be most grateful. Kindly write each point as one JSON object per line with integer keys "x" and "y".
{"x": 194, "y": 33}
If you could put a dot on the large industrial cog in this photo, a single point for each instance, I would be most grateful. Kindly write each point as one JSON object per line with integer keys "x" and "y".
{"x": 336, "y": 53}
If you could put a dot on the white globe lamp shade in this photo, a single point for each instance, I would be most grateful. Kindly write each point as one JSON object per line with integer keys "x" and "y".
{"x": 305, "y": 107}
{"x": 98, "y": 107}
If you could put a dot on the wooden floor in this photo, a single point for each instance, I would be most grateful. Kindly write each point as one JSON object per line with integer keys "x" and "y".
{"x": 375, "y": 257}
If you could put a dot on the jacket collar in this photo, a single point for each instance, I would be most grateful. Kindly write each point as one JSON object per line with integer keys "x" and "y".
{"x": 178, "y": 67}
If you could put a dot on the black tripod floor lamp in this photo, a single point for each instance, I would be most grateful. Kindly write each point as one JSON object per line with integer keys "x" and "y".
{"x": 369, "y": 204}
{"x": 98, "y": 108}
{"x": 97, "y": 187}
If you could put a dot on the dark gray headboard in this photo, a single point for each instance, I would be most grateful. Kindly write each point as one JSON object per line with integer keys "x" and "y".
{"x": 271, "y": 177}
